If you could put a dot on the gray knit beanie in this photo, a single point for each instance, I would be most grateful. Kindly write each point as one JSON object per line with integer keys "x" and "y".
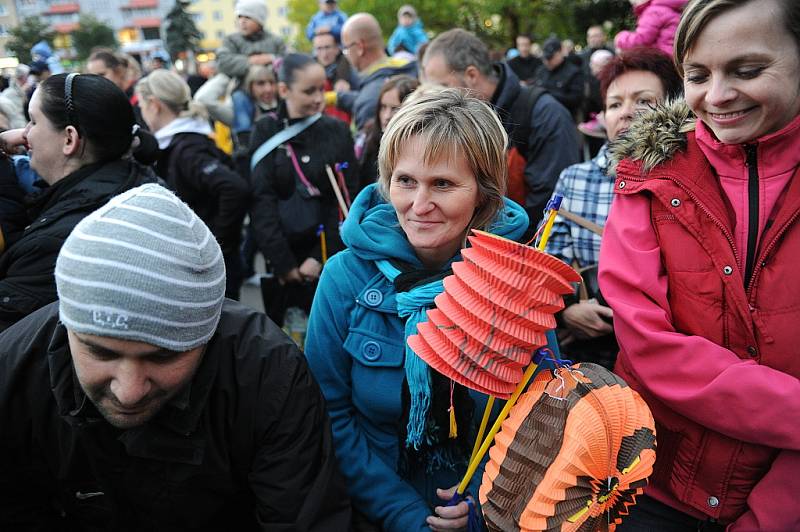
{"x": 254, "y": 9}
{"x": 142, "y": 267}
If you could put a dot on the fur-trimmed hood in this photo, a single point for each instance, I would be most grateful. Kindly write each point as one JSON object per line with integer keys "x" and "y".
{"x": 654, "y": 136}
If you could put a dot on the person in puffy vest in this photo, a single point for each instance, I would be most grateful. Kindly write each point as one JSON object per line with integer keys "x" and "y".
{"x": 699, "y": 264}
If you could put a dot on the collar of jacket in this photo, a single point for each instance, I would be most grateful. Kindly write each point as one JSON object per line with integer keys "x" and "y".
{"x": 87, "y": 188}
{"x": 386, "y": 62}
{"x": 508, "y": 87}
{"x": 52, "y": 193}
{"x": 165, "y": 435}
{"x": 663, "y": 144}
{"x": 777, "y": 153}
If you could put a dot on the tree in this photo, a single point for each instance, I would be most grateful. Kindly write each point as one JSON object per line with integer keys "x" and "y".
{"x": 25, "y": 35}
{"x": 182, "y": 34}
{"x": 92, "y": 33}
{"x": 495, "y": 21}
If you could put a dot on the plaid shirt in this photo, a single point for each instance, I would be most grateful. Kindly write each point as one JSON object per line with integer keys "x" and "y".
{"x": 587, "y": 192}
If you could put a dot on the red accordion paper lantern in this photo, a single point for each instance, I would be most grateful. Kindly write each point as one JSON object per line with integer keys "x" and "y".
{"x": 493, "y": 313}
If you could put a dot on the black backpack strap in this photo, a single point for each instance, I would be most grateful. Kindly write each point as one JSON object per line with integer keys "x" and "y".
{"x": 521, "y": 117}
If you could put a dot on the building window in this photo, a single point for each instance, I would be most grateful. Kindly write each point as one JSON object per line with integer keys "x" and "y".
{"x": 151, "y": 33}
{"x": 282, "y": 11}
{"x": 198, "y": 17}
{"x": 217, "y": 15}
{"x": 3, "y": 10}
{"x": 286, "y": 31}
{"x": 220, "y": 34}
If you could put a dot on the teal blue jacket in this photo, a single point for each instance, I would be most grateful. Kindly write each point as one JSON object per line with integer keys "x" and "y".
{"x": 355, "y": 347}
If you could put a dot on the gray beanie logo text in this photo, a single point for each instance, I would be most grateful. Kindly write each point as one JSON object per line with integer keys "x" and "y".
{"x": 110, "y": 320}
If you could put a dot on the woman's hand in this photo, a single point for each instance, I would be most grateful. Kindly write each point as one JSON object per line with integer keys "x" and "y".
{"x": 292, "y": 276}
{"x": 310, "y": 269}
{"x": 449, "y": 517}
{"x": 12, "y": 139}
{"x": 587, "y": 319}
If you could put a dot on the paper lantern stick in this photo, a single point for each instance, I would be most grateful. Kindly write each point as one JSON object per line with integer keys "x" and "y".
{"x": 553, "y": 207}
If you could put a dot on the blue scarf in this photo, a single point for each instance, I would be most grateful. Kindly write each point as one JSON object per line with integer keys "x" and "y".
{"x": 373, "y": 232}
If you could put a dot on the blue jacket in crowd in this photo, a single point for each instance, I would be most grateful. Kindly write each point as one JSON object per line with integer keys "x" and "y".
{"x": 333, "y": 21}
{"x": 411, "y": 37}
{"x": 355, "y": 347}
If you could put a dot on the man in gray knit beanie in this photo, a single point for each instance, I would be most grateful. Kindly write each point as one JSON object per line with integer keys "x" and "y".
{"x": 155, "y": 402}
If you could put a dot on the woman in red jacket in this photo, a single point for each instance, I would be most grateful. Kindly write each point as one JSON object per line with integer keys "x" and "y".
{"x": 699, "y": 262}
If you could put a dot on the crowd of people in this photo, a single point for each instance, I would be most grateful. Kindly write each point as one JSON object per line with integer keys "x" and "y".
{"x": 137, "y": 393}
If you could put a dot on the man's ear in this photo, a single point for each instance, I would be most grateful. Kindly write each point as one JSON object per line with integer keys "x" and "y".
{"x": 72, "y": 141}
{"x": 472, "y": 76}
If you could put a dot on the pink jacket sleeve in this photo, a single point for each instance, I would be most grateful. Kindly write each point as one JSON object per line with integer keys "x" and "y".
{"x": 772, "y": 505}
{"x": 698, "y": 379}
{"x": 648, "y": 28}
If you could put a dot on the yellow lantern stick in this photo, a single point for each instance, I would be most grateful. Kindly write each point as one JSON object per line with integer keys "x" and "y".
{"x": 479, "y": 452}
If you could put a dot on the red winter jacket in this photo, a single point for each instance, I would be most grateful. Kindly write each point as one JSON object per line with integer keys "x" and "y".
{"x": 717, "y": 363}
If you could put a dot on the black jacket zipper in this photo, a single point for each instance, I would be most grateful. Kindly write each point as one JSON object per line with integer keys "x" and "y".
{"x": 752, "y": 210}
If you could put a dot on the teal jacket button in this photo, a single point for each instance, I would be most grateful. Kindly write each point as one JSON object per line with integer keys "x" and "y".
{"x": 371, "y": 350}
{"x": 373, "y": 297}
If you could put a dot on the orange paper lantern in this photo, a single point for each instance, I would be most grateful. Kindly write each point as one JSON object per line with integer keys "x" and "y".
{"x": 573, "y": 454}
{"x": 493, "y": 313}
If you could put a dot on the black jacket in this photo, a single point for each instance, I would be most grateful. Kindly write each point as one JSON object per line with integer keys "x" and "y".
{"x": 525, "y": 67}
{"x": 13, "y": 218}
{"x": 203, "y": 177}
{"x": 565, "y": 83}
{"x": 274, "y": 181}
{"x": 246, "y": 446}
{"x": 552, "y": 143}
{"x": 26, "y": 268}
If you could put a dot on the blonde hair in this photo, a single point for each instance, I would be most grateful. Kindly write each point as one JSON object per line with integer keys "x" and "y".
{"x": 171, "y": 90}
{"x": 256, "y": 72}
{"x": 451, "y": 123}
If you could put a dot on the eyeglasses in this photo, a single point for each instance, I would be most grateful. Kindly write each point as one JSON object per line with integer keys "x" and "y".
{"x": 346, "y": 47}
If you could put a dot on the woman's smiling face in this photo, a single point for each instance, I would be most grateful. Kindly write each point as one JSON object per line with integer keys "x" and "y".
{"x": 435, "y": 202}
{"x": 742, "y": 74}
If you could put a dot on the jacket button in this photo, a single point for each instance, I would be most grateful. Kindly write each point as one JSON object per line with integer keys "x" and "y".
{"x": 752, "y": 351}
{"x": 373, "y": 297}
{"x": 371, "y": 350}
{"x": 727, "y": 270}
{"x": 621, "y": 184}
{"x": 713, "y": 502}
{"x": 675, "y": 202}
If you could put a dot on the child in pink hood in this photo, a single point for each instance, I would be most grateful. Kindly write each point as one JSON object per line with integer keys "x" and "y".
{"x": 656, "y": 21}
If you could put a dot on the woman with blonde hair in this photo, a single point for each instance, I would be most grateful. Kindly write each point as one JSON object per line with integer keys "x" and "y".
{"x": 442, "y": 172}
{"x": 193, "y": 166}
{"x": 699, "y": 264}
